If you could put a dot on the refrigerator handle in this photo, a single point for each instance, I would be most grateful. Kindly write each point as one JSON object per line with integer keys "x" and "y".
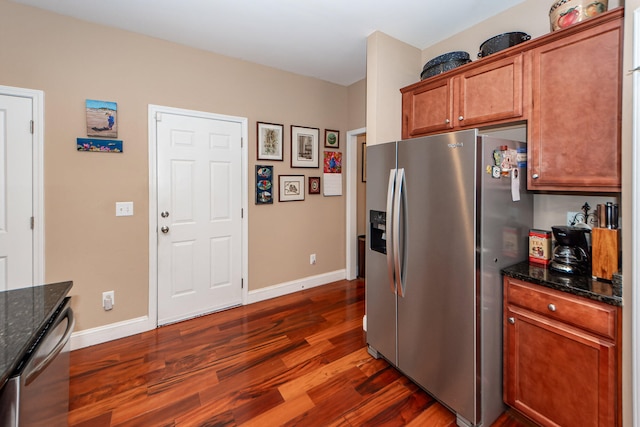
{"x": 400, "y": 206}
{"x": 389, "y": 228}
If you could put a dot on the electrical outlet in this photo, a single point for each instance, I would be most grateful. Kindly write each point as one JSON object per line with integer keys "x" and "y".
{"x": 124, "y": 208}
{"x": 312, "y": 259}
{"x": 108, "y": 300}
{"x": 571, "y": 218}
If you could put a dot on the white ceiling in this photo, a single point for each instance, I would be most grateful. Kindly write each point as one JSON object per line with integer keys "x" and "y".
{"x": 318, "y": 38}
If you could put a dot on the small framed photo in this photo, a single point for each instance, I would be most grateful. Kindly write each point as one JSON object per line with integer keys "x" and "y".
{"x": 264, "y": 184}
{"x": 314, "y": 185}
{"x": 331, "y": 138}
{"x": 101, "y": 118}
{"x": 291, "y": 187}
{"x": 304, "y": 147}
{"x": 270, "y": 141}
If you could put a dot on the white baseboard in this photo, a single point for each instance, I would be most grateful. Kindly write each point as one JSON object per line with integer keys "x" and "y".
{"x": 281, "y": 289}
{"x": 113, "y": 331}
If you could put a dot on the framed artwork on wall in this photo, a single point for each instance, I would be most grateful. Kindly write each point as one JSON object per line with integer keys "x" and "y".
{"x": 331, "y": 138}
{"x": 304, "y": 147}
{"x": 264, "y": 185}
{"x": 291, "y": 188}
{"x": 270, "y": 141}
{"x": 314, "y": 185}
{"x": 101, "y": 118}
{"x": 99, "y": 145}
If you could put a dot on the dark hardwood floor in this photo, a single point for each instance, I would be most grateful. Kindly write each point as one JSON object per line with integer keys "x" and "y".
{"x": 297, "y": 360}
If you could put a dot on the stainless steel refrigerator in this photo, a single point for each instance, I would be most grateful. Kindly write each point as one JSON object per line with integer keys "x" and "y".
{"x": 443, "y": 221}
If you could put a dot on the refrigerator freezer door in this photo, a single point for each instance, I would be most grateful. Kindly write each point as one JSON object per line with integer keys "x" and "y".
{"x": 380, "y": 293}
{"x": 437, "y": 315}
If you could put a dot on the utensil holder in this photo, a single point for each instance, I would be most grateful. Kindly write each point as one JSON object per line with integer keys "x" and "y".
{"x": 604, "y": 252}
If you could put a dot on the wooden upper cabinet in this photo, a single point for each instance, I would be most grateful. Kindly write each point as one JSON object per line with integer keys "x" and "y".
{"x": 574, "y": 128}
{"x": 487, "y": 94}
{"x": 566, "y": 84}
{"x": 428, "y": 108}
{"x": 490, "y": 93}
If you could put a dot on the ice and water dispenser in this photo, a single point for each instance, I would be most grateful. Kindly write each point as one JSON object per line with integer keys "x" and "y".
{"x": 378, "y": 232}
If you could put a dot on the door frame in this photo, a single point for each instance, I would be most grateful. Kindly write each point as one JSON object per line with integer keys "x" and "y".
{"x": 352, "y": 202}
{"x": 153, "y": 200}
{"x": 37, "y": 114}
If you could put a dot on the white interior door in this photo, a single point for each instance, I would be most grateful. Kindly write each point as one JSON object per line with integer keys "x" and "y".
{"x": 199, "y": 219}
{"x": 16, "y": 192}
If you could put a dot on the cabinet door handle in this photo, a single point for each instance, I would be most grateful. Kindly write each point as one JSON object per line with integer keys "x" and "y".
{"x": 461, "y": 118}
{"x": 551, "y": 307}
{"x": 512, "y": 320}
{"x": 535, "y": 176}
{"x": 447, "y": 121}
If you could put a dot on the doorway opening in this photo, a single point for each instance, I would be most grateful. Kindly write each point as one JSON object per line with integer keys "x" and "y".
{"x": 356, "y": 181}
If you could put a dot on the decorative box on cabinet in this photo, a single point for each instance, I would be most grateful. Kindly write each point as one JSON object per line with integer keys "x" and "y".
{"x": 488, "y": 92}
{"x": 574, "y": 128}
{"x": 561, "y": 356}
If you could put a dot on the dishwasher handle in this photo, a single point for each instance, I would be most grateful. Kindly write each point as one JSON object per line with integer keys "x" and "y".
{"x": 30, "y": 374}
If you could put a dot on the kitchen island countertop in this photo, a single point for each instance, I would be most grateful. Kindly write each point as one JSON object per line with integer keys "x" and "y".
{"x": 584, "y": 286}
{"x": 24, "y": 313}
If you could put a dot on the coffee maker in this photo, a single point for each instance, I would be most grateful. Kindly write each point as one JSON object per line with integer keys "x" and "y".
{"x": 571, "y": 254}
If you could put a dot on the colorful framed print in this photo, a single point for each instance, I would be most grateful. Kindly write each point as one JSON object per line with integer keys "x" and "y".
{"x": 264, "y": 185}
{"x": 270, "y": 141}
{"x": 314, "y": 185}
{"x": 304, "y": 147}
{"x": 102, "y": 118}
{"x": 291, "y": 188}
{"x": 99, "y": 145}
{"x": 331, "y": 138}
{"x": 332, "y": 162}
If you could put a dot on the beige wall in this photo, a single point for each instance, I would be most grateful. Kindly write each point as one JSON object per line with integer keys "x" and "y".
{"x": 391, "y": 65}
{"x": 72, "y": 61}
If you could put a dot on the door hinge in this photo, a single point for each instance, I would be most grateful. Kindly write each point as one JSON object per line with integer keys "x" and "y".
{"x": 33, "y": 223}
{"x": 241, "y": 142}
{"x": 31, "y": 124}
{"x": 242, "y": 213}
{"x": 242, "y": 283}
{"x": 158, "y": 117}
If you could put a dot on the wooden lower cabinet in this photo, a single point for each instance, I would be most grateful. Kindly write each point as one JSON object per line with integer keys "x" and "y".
{"x": 561, "y": 357}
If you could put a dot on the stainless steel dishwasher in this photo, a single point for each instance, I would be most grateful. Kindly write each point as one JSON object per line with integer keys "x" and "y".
{"x": 37, "y": 394}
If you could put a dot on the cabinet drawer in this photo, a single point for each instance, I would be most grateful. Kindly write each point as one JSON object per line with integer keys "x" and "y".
{"x": 592, "y": 316}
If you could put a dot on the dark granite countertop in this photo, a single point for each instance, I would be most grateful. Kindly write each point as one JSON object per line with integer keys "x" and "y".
{"x": 23, "y": 315}
{"x": 584, "y": 286}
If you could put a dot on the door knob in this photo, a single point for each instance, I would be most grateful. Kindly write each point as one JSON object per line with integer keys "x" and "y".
{"x": 164, "y": 229}
{"x": 164, "y": 214}
{"x": 512, "y": 320}
{"x": 551, "y": 307}
{"x": 534, "y": 176}
{"x": 461, "y": 118}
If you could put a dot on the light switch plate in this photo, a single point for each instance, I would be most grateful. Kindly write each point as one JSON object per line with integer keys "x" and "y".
{"x": 124, "y": 208}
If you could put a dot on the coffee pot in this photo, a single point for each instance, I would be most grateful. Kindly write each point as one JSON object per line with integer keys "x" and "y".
{"x": 571, "y": 254}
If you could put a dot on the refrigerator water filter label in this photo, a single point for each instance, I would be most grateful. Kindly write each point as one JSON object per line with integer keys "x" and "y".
{"x": 515, "y": 185}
